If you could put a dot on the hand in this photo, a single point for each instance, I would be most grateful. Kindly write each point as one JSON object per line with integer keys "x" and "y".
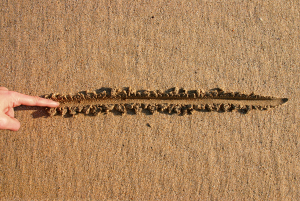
{"x": 11, "y": 99}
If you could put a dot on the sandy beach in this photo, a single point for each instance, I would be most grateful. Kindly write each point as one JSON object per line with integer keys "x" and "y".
{"x": 68, "y": 47}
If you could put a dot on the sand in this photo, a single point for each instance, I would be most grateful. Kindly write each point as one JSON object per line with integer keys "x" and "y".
{"x": 175, "y": 100}
{"x": 72, "y": 46}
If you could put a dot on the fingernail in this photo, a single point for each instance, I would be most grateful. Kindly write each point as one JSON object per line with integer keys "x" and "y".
{"x": 54, "y": 103}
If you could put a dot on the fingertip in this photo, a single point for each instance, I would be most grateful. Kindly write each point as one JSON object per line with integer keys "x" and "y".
{"x": 47, "y": 102}
{"x": 14, "y": 124}
{"x": 17, "y": 126}
{"x": 53, "y": 103}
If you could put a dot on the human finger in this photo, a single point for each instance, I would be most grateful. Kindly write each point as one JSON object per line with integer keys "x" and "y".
{"x": 10, "y": 112}
{"x": 3, "y": 89}
{"x": 9, "y": 123}
{"x": 22, "y": 99}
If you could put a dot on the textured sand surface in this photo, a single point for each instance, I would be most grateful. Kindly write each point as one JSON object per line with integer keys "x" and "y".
{"x": 175, "y": 100}
{"x": 72, "y": 46}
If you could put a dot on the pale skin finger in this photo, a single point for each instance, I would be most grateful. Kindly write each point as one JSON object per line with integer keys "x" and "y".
{"x": 10, "y": 112}
{"x": 22, "y": 99}
{"x": 9, "y": 123}
{"x": 11, "y": 99}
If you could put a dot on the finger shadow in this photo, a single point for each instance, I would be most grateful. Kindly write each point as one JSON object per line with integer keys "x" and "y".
{"x": 38, "y": 112}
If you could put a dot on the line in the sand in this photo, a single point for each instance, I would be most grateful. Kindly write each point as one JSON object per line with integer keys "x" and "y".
{"x": 174, "y": 100}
